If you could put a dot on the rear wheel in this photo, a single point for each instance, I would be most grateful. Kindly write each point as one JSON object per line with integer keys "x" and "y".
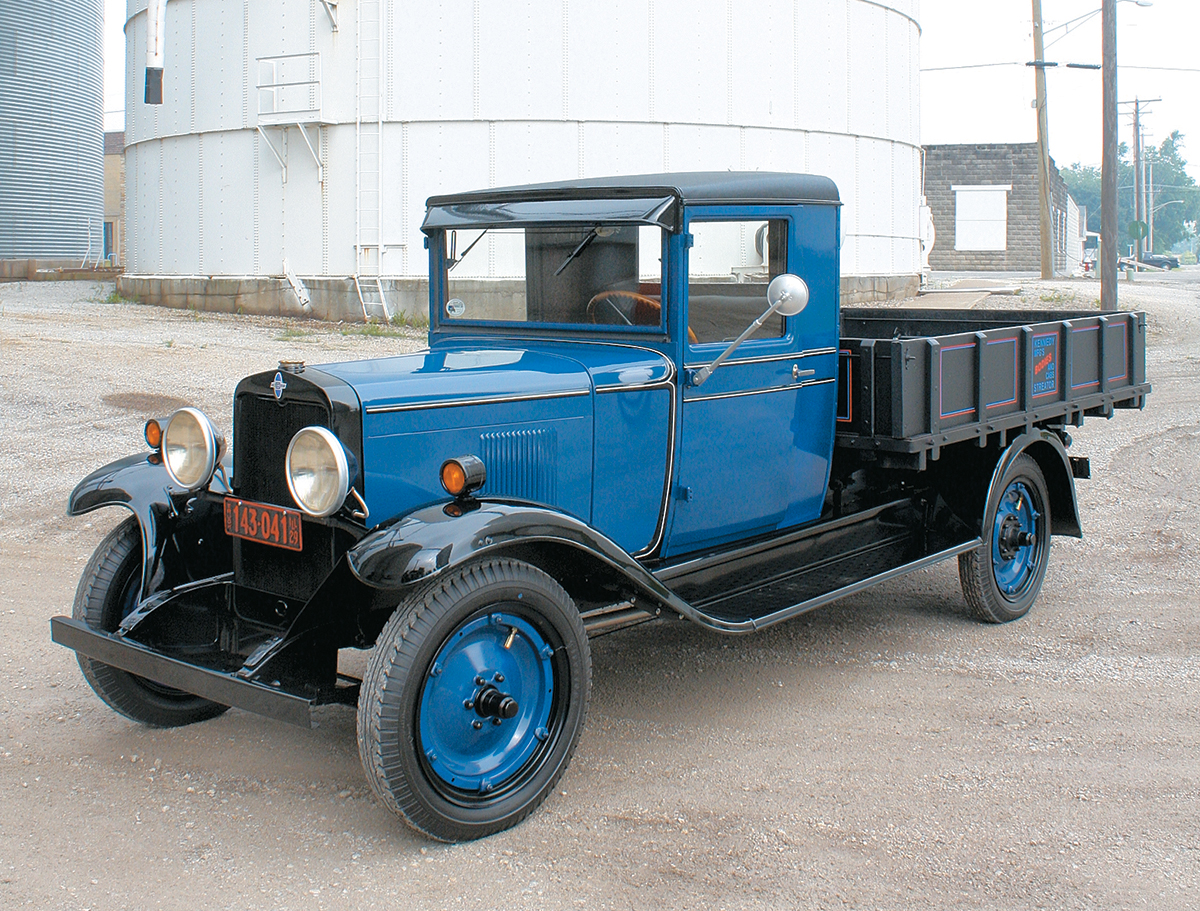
{"x": 1002, "y": 578}
{"x": 474, "y": 700}
{"x": 107, "y": 592}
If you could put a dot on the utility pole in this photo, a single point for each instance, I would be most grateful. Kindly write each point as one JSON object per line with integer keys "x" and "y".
{"x": 1150, "y": 205}
{"x": 1108, "y": 168}
{"x": 1138, "y": 199}
{"x": 1043, "y": 134}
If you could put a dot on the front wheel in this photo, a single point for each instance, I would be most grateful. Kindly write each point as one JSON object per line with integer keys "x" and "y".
{"x": 108, "y": 591}
{"x": 474, "y": 700}
{"x": 1002, "y": 578}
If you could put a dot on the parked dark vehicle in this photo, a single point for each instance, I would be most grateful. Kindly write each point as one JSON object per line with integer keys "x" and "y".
{"x": 1162, "y": 260}
{"x": 640, "y": 399}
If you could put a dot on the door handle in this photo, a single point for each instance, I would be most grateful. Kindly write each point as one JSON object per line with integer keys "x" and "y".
{"x": 797, "y": 373}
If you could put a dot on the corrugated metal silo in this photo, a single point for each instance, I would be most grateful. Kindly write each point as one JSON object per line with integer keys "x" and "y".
{"x": 51, "y": 129}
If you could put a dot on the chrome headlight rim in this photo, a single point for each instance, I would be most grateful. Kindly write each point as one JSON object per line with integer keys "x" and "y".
{"x": 340, "y": 463}
{"x": 212, "y": 444}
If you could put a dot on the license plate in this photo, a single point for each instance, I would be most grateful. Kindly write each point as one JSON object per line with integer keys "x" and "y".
{"x": 262, "y": 522}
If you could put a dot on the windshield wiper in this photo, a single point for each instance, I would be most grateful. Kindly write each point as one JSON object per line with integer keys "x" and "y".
{"x": 591, "y": 236}
{"x": 455, "y": 261}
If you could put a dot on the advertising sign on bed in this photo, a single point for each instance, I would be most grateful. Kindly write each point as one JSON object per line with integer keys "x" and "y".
{"x": 1045, "y": 364}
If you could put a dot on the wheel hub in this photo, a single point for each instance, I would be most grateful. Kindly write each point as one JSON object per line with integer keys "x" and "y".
{"x": 1015, "y": 549}
{"x": 486, "y": 703}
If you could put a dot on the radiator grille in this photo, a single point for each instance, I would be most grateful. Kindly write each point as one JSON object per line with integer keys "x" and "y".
{"x": 521, "y": 464}
{"x": 262, "y": 429}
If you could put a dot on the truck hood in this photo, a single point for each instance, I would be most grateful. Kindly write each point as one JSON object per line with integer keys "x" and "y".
{"x": 473, "y": 374}
{"x": 447, "y": 377}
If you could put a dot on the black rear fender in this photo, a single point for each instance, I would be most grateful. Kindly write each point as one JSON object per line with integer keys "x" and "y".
{"x": 1048, "y": 451}
{"x": 968, "y": 478}
{"x": 183, "y": 536}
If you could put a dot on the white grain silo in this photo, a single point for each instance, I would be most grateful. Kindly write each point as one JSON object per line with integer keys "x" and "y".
{"x": 310, "y": 132}
{"x": 51, "y": 130}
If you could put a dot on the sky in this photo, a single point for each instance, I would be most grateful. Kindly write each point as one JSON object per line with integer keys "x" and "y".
{"x": 992, "y": 103}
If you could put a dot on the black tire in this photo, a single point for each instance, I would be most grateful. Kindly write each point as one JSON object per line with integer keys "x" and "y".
{"x": 107, "y": 592}
{"x": 1002, "y": 578}
{"x": 411, "y": 705}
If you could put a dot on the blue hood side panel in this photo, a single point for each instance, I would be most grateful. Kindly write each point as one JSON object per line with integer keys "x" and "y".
{"x": 579, "y": 426}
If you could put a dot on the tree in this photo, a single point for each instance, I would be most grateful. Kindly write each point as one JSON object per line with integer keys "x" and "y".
{"x": 1176, "y": 196}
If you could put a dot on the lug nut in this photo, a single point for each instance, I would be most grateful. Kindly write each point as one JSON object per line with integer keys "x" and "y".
{"x": 495, "y": 721}
{"x": 479, "y": 681}
{"x": 477, "y": 724}
{"x": 468, "y": 704}
{"x": 499, "y": 677}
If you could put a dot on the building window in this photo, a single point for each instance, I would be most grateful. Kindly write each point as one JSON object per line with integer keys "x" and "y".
{"x": 981, "y": 217}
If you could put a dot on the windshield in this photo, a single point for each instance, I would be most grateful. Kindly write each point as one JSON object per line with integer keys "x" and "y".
{"x": 555, "y": 275}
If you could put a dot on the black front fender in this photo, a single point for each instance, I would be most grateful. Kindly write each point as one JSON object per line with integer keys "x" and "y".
{"x": 161, "y": 508}
{"x": 436, "y": 538}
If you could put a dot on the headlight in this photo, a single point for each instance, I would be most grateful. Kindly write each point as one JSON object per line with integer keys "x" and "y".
{"x": 318, "y": 473}
{"x": 191, "y": 448}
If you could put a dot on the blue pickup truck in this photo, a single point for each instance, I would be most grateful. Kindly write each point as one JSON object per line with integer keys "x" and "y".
{"x": 640, "y": 399}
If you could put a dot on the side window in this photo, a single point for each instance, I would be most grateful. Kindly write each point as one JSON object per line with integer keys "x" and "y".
{"x": 730, "y": 265}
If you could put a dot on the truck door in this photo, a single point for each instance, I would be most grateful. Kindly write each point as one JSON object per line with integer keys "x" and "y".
{"x": 757, "y": 437}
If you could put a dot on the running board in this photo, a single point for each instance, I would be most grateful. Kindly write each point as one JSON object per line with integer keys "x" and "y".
{"x": 756, "y": 623}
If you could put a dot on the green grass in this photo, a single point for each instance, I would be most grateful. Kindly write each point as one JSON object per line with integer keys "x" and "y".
{"x": 1057, "y": 297}
{"x": 421, "y": 321}
{"x": 115, "y": 298}
{"x": 292, "y": 334}
{"x": 378, "y": 330}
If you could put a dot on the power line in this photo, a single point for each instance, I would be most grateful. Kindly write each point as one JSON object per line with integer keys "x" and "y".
{"x": 968, "y": 66}
{"x": 1123, "y": 66}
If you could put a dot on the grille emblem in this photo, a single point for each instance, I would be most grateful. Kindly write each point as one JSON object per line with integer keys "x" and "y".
{"x": 277, "y": 386}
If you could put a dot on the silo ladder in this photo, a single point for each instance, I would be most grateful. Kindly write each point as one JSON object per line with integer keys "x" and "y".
{"x": 373, "y": 300}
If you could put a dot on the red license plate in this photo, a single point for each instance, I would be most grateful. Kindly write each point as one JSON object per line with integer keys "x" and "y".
{"x": 264, "y": 523}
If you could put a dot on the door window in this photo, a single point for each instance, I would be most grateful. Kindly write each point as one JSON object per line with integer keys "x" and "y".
{"x": 730, "y": 264}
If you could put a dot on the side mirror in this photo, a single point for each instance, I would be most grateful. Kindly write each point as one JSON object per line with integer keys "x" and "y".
{"x": 787, "y": 295}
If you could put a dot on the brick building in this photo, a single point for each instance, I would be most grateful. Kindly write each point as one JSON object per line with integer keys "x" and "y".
{"x": 114, "y": 197}
{"x": 984, "y": 201}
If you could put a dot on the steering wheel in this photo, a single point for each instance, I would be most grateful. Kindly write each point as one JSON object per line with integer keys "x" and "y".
{"x": 641, "y": 311}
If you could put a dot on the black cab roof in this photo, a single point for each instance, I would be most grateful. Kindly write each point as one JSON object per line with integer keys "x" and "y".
{"x": 651, "y": 198}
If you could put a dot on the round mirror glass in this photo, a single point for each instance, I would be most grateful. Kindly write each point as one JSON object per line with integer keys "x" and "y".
{"x": 787, "y": 294}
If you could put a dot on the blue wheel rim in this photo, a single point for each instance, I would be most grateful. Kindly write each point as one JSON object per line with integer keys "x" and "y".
{"x": 463, "y": 749}
{"x": 1014, "y": 565}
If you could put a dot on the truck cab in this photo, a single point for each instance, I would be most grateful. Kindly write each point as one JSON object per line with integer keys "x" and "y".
{"x": 566, "y": 325}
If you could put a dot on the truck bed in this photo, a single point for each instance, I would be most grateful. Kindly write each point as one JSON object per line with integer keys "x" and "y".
{"x": 913, "y": 381}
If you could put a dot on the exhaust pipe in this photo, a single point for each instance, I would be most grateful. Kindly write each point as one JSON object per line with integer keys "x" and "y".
{"x": 156, "y": 36}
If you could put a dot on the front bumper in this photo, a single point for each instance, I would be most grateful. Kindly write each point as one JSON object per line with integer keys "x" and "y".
{"x": 217, "y": 686}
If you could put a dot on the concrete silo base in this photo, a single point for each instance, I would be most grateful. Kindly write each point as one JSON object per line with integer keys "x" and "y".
{"x": 866, "y": 289}
{"x": 332, "y": 299}
{"x": 336, "y": 300}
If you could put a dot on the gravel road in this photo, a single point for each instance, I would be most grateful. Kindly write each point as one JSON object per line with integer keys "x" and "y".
{"x": 883, "y": 753}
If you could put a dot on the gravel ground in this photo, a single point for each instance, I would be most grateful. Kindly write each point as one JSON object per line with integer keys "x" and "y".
{"x": 884, "y": 752}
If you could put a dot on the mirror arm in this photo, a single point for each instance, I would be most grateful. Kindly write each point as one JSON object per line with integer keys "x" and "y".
{"x": 699, "y": 376}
